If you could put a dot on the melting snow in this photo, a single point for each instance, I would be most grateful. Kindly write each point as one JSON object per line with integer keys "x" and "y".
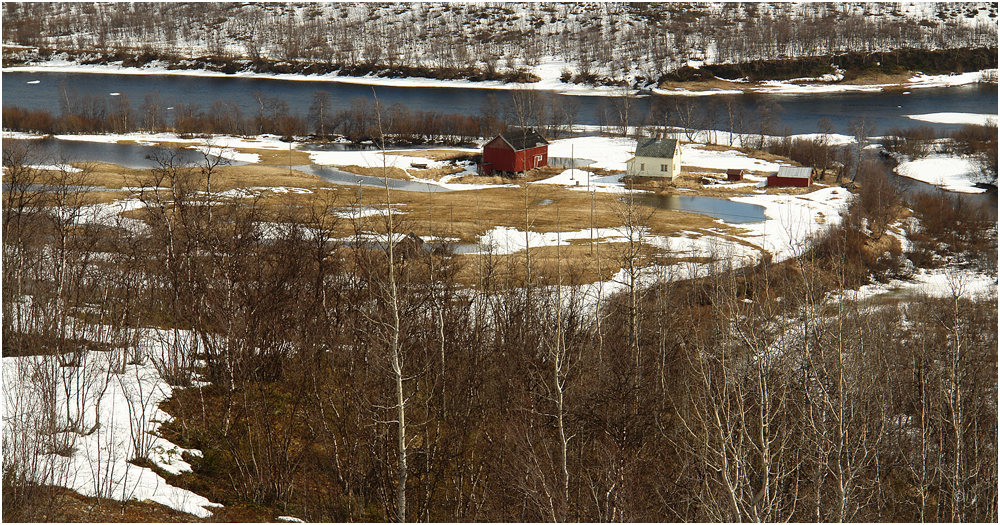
{"x": 108, "y": 415}
{"x": 947, "y": 171}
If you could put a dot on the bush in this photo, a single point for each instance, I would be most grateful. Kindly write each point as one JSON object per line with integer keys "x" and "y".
{"x": 980, "y": 143}
{"x": 21, "y": 119}
{"x": 950, "y": 226}
{"x": 915, "y": 143}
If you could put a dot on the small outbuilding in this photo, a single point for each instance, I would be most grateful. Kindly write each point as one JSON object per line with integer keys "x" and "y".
{"x": 515, "y": 152}
{"x": 659, "y": 158}
{"x": 735, "y": 174}
{"x": 791, "y": 176}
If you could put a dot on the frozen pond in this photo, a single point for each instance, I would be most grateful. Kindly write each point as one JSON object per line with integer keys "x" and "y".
{"x": 134, "y": 156}
{"x": 729, "y": 211}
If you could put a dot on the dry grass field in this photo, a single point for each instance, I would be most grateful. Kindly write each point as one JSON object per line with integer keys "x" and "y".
{"x": 460, "y": 216}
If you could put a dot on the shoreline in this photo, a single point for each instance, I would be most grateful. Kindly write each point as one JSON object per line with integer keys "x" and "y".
{"x": 548, "y": 73}
{"x": 954, "y": 182}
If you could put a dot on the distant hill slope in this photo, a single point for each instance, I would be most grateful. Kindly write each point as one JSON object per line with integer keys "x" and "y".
{"x": 611, "y": 43}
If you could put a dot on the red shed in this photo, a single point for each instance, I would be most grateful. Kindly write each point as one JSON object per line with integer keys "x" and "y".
{"x": 735, "y": 174}
{"x": 791, "y": 176}
{"x": 515, "y": 152}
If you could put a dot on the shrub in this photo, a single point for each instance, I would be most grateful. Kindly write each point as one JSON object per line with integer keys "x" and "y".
{"x": 21, "y": 119}
{"x": 979, "y": 142}
{"x": 915, "y": 143}
{"x": 950, "y": 226}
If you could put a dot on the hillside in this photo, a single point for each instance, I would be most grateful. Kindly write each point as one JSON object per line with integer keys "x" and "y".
{"x": 635, "y": 44}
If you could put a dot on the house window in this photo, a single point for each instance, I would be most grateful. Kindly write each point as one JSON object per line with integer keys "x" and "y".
{"x": 642, "y": 167}
{"x": 664, "y": 167}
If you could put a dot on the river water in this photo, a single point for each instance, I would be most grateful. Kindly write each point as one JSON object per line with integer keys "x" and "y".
{"x": 801, "y": 112}
{"x": 800, "y": 115}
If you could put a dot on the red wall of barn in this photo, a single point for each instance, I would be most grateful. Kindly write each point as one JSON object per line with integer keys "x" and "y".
{"x": 775, "y": 180}
{"x": 500, "y": 157}
{"x": 524, "y": 158}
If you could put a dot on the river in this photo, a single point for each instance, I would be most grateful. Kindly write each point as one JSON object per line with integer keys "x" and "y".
{"x": 801, "y": 112}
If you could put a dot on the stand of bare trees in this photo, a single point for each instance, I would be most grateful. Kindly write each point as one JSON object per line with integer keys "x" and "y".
{"x": 357, "y": 378}
{"x": 637, "y": 43}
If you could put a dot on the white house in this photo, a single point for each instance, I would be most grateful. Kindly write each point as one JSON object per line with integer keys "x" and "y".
{"x": 660, "y": 158}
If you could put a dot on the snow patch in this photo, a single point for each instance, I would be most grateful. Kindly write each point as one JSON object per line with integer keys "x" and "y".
{"x": 949, "y": 172}
{"x": 108, "y": 415}
{"x": 956, "y": 118}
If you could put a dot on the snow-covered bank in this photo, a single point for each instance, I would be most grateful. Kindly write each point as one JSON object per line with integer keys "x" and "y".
{"x": 948, "y": 172}
{"x": 829, "y": 85}
{"x": 549, "y": 71}
{"x": 794, "y": 219}
{"x": 956, "y": 118}
{"x": 106, "y": 414}
{"x": 942, "y": 283}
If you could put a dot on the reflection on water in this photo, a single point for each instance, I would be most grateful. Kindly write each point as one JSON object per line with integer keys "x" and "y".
{"x": 132, "y": 156}
{"x": 912, "y": 188}
{"x": 729, "y": 211}
{"x": 337, "y": 146}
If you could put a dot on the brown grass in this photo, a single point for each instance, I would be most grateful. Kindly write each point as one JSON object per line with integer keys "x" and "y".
{"x": 441, "y": 155}
{"x": 901, "y": 79}
{"x": 706, "y": 85}
{"x": 393, "y": 172}
{"x": 466, "y": 215}
{"x": 477, "y": 179}
{"x": 270, "y": 157}
{"x": 436, "y": 173}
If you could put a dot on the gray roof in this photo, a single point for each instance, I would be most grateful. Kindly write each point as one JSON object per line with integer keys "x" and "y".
{"x": 524, "y": 139}
{"x": 659, "y": 148}
{"x": 794, "y": 172}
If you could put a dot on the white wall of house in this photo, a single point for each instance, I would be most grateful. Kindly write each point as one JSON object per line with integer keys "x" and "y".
{"x": 655, "y": 167}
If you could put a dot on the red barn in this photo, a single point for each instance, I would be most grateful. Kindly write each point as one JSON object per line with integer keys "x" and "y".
{"x": 735, "y": 174}
{"x": 515, "y": 152}
{"x": 791, "y": 176}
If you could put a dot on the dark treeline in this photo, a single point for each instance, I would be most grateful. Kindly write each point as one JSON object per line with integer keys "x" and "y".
{"x": 365, "y": 119}
{"x": 116, "y": 114}
{"x": 349, "y": 382}
{"x": 851, "y": 65}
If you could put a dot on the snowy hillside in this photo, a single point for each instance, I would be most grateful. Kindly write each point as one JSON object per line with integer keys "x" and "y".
{"x": 606, "y": 42}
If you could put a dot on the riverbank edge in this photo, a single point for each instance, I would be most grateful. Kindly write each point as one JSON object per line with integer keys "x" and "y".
{"x": 914, "y": 80}
{"x": 240, "y": 144}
